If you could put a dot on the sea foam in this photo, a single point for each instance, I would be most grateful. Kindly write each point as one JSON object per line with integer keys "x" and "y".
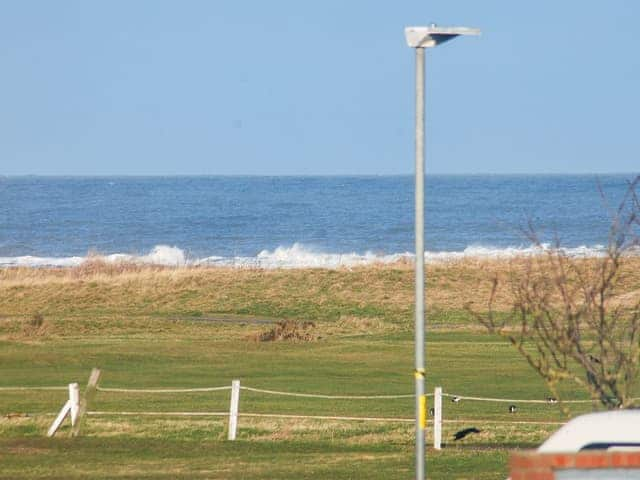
{"x": 159, "y": 255}
{"x": 296, "y": 256}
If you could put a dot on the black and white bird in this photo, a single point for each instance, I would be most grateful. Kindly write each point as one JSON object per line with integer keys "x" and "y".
{"x": 431, "y": 412}
{"x": 512, "y": 409}
{"x": 456, "y": 399}
{"x": 552, "y": 400}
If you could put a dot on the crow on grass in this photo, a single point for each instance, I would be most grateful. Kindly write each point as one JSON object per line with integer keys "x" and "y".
{"x": 463, "y": 433}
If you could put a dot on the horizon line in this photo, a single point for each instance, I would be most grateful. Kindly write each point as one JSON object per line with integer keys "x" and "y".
{"x": 315, "y": 175}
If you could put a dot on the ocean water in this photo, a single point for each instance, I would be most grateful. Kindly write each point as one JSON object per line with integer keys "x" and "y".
{"x": 295, "y": 221}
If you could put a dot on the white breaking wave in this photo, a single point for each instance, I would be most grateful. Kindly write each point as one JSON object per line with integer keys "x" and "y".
{"x": 160, "y": 255}
{"x": 300, "y": 256}
{"x": 477, "y": 251}
{"x": 296, "y": 256}
{"x": 29, "y": 261}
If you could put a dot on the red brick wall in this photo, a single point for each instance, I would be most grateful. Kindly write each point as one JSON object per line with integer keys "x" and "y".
{"x": 541, "y": 466}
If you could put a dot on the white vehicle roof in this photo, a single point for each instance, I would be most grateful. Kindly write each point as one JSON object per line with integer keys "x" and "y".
{"x": 620, "y": 428}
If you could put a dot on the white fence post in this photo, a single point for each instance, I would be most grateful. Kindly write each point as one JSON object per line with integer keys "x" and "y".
{"x": 437, "y": 418}
{"x": 59, "y": 419}
{"x": 233, "y": 409}
{"x": 74, "y": 399}
{"x": 70, "y": 408}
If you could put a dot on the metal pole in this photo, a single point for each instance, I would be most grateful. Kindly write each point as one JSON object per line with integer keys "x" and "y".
{"x": 419, "y": 320}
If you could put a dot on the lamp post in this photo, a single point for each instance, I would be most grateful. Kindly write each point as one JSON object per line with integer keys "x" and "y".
{"x": 421, "y": 38}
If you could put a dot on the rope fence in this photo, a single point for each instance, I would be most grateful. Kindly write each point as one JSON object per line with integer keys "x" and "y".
{"x": 329, "y": 397}
{"x": 312, "y": 417}
{"x": 510, "y": 400}
{"x": 72, "y": 406}
{"x": 163, "y": 390}
{"x": 158, "y": 414}
{"x": 18, "y": 389}
{"x": 301, "y": 395}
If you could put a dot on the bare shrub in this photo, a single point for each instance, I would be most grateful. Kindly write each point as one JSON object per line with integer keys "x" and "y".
{"x": 571, "y": 319}
{"x": 37, "y": 320}
{"x": 289, "y": 330}
{"x": 35, "y": 326}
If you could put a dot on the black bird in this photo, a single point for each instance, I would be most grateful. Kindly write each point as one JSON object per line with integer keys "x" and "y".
{"x": 512, "y": 409}
{"x": 431, "y": 412}
{"x": 463, "y": 433}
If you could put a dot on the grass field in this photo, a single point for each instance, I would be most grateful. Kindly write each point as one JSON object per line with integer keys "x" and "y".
{"x": 147, "y": 327}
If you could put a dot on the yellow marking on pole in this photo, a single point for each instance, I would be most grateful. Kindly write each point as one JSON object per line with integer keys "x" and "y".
{"x": 423, "y": 412}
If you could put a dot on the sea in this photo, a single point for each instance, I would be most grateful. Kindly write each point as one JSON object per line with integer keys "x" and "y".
{"x": 298, "y": 222}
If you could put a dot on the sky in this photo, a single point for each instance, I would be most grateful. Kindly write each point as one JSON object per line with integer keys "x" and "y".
{"x": 228, "y": 87}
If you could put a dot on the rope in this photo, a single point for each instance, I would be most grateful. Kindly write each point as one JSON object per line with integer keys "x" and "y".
{"x": 11, "y": 416}
{"x": 392, "y": 419}
{"x": 509, "y": 400}
{"x": 163, "y": 414}
{"x": 3, "y": 389}
{"x": 326, "y": 417}
{"x": 316, "y": 417}
{"x": 301, "y": 395}
{"x": 257, "y": 415}
{"x": 335, "y": 397}
{"x": 163, "y": 390}
{"x": 504, "y": 422}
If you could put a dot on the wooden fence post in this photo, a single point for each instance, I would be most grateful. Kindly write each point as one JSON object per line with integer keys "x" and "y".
{"x": 85, "y": 401}
{"x": 233, "y": 409}
{"x": 437, "y": 418}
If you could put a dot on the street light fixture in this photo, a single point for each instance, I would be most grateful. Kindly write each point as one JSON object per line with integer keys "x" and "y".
{"x": 421, "y": 38}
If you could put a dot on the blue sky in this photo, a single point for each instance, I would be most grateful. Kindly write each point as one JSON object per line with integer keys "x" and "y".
{"x": 295, "y": 87}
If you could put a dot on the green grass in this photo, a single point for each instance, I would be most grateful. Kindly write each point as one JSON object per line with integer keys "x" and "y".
{"x": 120, "y": 457}
{"x": 127, "y": 447}
{"x": 156, "y": 330}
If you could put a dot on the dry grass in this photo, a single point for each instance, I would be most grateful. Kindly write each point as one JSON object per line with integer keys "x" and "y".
{"x": 355, "y": 300}
{"x": 355, "y": 324}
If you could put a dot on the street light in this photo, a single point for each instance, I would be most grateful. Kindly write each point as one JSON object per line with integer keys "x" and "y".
{"x": 421, "y": 38}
